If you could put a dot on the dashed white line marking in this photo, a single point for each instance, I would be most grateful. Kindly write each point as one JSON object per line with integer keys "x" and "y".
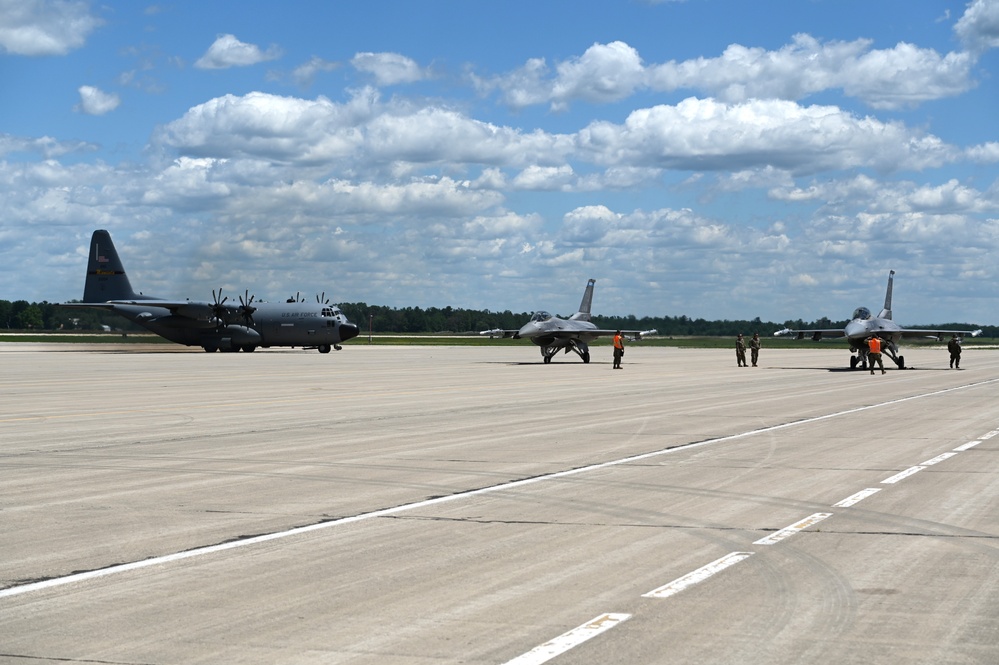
{"x": 966, "y": 446}
{"x": 788, "y": 531}
{"x": 904, "y": 474}
{"x": 566, "y": 641}
{"x": 697, "y": 576}
{"x": 111, "y": 570}
{"x": 937, "y": 459}
{"x": 988, "y": 436}
{"x": 857, "y": 498}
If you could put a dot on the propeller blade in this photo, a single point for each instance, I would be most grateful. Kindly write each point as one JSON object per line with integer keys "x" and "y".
{"x": 218, "y": 308}
{"x": 246, "y": 308}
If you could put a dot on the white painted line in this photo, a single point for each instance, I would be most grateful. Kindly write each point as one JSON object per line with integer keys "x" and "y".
{"x": 699, "y": 575}
{"x": 966, "y": 446}
{"x": 937, "y": 459}
{"x": 857, "y": 498}
{"x": 245, "y": 542}
{"x": 788, "y": 531}
{"x": 905, "y": 474}
{"x": 988, "y": 436}
{"x": 564, "y": 642}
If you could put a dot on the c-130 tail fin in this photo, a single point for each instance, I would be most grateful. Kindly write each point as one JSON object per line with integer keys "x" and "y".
{"x": 106, "y": 278}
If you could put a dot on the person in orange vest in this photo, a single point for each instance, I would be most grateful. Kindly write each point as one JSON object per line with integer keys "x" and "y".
{"x": 874, "y": 354}
{"x": 618, "y": 349}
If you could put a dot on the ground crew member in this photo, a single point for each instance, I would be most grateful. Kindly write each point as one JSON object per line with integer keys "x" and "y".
{"x": 740, "y": 351}
{"x": 954, "y": 346}
{"x": 754, "y": 348}
{"x": 874, "y": 355}
{"x": 618, "y": 349}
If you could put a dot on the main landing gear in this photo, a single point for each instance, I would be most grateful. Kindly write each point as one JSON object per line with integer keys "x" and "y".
{"x": 232, "y": 348}
{"x": 325, "y": 348}
{"x": 581, "y": 349}
{"x": 890, "y": 350}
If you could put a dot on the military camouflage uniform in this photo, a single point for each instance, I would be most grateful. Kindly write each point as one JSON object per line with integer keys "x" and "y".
{"x": 954, "y": 346}
{"x": 754, "y": 348}
{"x": 740, "y": 351}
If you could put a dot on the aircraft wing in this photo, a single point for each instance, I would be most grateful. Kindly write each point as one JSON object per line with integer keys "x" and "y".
{"x": 112, "y": 304}
{"x": 192, "y": 309}
{"x": 632, "y": 335}
{"x": 93, "y": 305}
{"x": 913, "y": 333}
{"x": 816, "y": 334}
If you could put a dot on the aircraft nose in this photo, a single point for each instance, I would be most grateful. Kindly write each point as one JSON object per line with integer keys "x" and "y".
{"x": 348, "y": 331}
{"x": 855, "y": 329}
{"x": 527, "y": 330}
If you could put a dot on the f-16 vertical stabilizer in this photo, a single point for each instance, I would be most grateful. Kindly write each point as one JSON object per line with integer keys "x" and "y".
{"x": 886, "y": 312}
{"x": 584, "y": 307}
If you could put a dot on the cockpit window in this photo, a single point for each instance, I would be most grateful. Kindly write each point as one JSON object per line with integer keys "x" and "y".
{"x": 541, "y": 316}
{"x": 862, "y": 313}
{"x": 330, "y": 312}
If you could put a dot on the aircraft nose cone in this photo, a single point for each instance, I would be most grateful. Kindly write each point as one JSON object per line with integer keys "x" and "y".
{"x": 855, "y": 329}
{"x": 528, "y": 330}
{"x": 348, "y": 331}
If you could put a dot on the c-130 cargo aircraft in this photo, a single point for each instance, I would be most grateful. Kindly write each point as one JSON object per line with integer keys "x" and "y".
{"x": 220, "y": 325}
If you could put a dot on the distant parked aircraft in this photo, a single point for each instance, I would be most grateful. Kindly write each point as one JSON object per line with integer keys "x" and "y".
{"x": 864, "y": 326}
{"x": 216, "y": 325}
{"x": 553, "y": 334}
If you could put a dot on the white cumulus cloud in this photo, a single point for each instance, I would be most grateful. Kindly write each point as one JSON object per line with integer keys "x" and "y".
{"x": 45, "y": 27}
{"x": 978, "y": 28}
{"x": 708, "y": 135}
{"x": 388, "y": 68}
{"x": 883, "y": 78}
{"x": 305, "y": 73}
{"x": 227, "y": 51}
{"x": 94, "y": 101}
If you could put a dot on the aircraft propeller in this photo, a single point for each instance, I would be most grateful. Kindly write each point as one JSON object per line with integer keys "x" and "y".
{"x": 246, "y": 308}
{"x": 322, "y": 299}
{"x": 218, "y": 307}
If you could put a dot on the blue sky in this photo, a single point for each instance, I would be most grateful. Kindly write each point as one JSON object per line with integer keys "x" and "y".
{"x": 769, "y": 159}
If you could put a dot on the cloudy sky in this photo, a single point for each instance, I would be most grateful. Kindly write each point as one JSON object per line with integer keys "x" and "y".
{"x": 699, "y": 157}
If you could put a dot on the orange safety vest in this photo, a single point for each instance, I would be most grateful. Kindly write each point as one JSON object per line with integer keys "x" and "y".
{"x": 875, "y": 345}
{"x": 618, "y": 342}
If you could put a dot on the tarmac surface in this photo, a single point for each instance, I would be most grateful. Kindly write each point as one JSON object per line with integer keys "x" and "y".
{"x": 415, "y": 505}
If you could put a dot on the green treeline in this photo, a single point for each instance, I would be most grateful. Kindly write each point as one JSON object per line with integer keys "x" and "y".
{"x": 45, "y": 316}
{"x": 433, "y": 319}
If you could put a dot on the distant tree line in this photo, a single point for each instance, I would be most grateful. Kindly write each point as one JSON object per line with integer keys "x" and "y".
{"x": 45, "y": 316}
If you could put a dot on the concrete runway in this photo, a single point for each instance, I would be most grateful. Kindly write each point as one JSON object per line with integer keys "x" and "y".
{"x": 392, "y": 505}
